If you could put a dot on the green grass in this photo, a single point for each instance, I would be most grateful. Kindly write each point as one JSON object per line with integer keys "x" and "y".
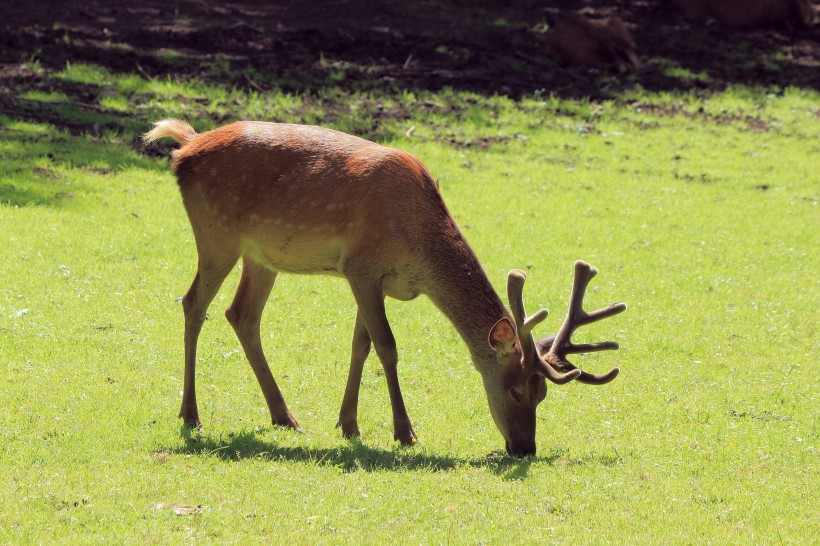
{"x": 700, "y": 211}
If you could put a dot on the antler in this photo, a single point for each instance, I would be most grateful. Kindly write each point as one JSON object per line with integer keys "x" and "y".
{"x": 515, "y": 294}
{"x": 576, "y": 316}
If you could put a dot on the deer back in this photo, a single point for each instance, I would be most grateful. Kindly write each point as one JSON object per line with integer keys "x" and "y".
{"x": 305, "y": 199}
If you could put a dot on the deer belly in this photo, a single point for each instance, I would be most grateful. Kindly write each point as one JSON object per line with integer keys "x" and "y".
{"x": 295, "y": 253}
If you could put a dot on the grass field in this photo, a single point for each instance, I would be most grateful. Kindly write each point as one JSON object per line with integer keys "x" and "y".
{"x": 701, "y": 212}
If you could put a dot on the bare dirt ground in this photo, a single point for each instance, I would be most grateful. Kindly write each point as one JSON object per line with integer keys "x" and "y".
{"x": 487, "y": 47}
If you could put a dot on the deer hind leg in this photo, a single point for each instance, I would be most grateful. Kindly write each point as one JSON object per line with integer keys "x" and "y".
{"x": 245, "y": 315}
{"x": 360, "y": 349}
{"x": 209, "y": 277}
{"x": 370, "y": 299}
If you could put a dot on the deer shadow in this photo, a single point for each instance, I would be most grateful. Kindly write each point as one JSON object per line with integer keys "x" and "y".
{"x": 352, "y": 456}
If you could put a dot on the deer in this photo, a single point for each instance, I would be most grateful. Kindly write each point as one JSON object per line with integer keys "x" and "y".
{"x": 288, "y": 198}
{"x": 578, "y": 41}
{"x": 751, "y": 13}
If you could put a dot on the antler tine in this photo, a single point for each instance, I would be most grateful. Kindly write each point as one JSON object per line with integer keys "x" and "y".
{"x": 515, "y": 294}
{"x": 545, "y": 344}
{"x": 576, "y": 316}
{"x": 534, "y": 321}
{"x": 601, "y": 314}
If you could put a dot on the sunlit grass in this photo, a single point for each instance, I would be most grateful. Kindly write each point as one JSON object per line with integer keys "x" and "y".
{"x": 701, "y": 212}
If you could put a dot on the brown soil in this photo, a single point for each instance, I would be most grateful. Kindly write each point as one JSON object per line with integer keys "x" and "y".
{"x": 487, "y": 47}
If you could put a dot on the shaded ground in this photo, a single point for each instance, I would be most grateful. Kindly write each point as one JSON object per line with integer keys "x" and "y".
{"x": 488, "y": 47}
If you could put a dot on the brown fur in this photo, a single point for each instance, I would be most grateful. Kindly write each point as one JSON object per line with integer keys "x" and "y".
{"x": 751, "y": 13}
{"x": 301, "y": 199}
{"x": 580, "y": 42}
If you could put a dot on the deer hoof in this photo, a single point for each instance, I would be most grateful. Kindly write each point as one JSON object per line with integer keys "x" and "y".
{"x": 349, "y": 430}
{"x": 288, "y": 422}
{"x": 191, "y": 420}
{"x": 406, "y": 437}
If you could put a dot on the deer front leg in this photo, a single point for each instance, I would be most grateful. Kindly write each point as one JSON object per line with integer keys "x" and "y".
{"x": 358, "y": 354}
{"x": 370, "y": 299}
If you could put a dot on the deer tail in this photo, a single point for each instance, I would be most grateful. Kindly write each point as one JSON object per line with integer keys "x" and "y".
{"x": 174, "y": 128}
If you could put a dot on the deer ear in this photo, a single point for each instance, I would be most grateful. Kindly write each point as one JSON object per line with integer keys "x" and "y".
{"x": 503, "y": 338}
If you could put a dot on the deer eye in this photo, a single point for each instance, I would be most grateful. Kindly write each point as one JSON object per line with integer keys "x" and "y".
{"x": 516, "y": 395}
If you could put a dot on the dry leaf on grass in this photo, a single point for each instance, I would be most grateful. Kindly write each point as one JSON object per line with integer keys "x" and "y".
{"x": 181, "y": 509}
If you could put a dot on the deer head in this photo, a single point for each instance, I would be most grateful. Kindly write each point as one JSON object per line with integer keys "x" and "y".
{"x": 527, "y": 363}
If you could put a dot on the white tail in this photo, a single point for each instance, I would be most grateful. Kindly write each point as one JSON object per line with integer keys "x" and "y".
{"x": 302, "y": 199}
{"x": 174, "y": 128}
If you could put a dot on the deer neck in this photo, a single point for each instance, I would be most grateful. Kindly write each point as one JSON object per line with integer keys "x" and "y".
{"x": 459, "y": 287}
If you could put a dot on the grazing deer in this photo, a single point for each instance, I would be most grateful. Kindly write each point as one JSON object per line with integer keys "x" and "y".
{"x": 301, "y": 199}
{"x": 577, "y": 41}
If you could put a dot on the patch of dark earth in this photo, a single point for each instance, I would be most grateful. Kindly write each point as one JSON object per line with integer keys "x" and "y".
{"x": 359, "y": 45}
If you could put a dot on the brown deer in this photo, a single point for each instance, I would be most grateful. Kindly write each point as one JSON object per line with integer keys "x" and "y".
{"x": 302, "y": 199}
{"x": 577, "y": 41}
{"x": 751, "y": 13}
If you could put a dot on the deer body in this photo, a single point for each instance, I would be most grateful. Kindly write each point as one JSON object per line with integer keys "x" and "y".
{"x": 582, "y": 42}
{"x": 302, "y": 199}
{"x": 296, "y": 203}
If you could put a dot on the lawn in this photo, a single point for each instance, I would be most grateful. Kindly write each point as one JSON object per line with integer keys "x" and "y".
{"x": 699, "y": 209}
